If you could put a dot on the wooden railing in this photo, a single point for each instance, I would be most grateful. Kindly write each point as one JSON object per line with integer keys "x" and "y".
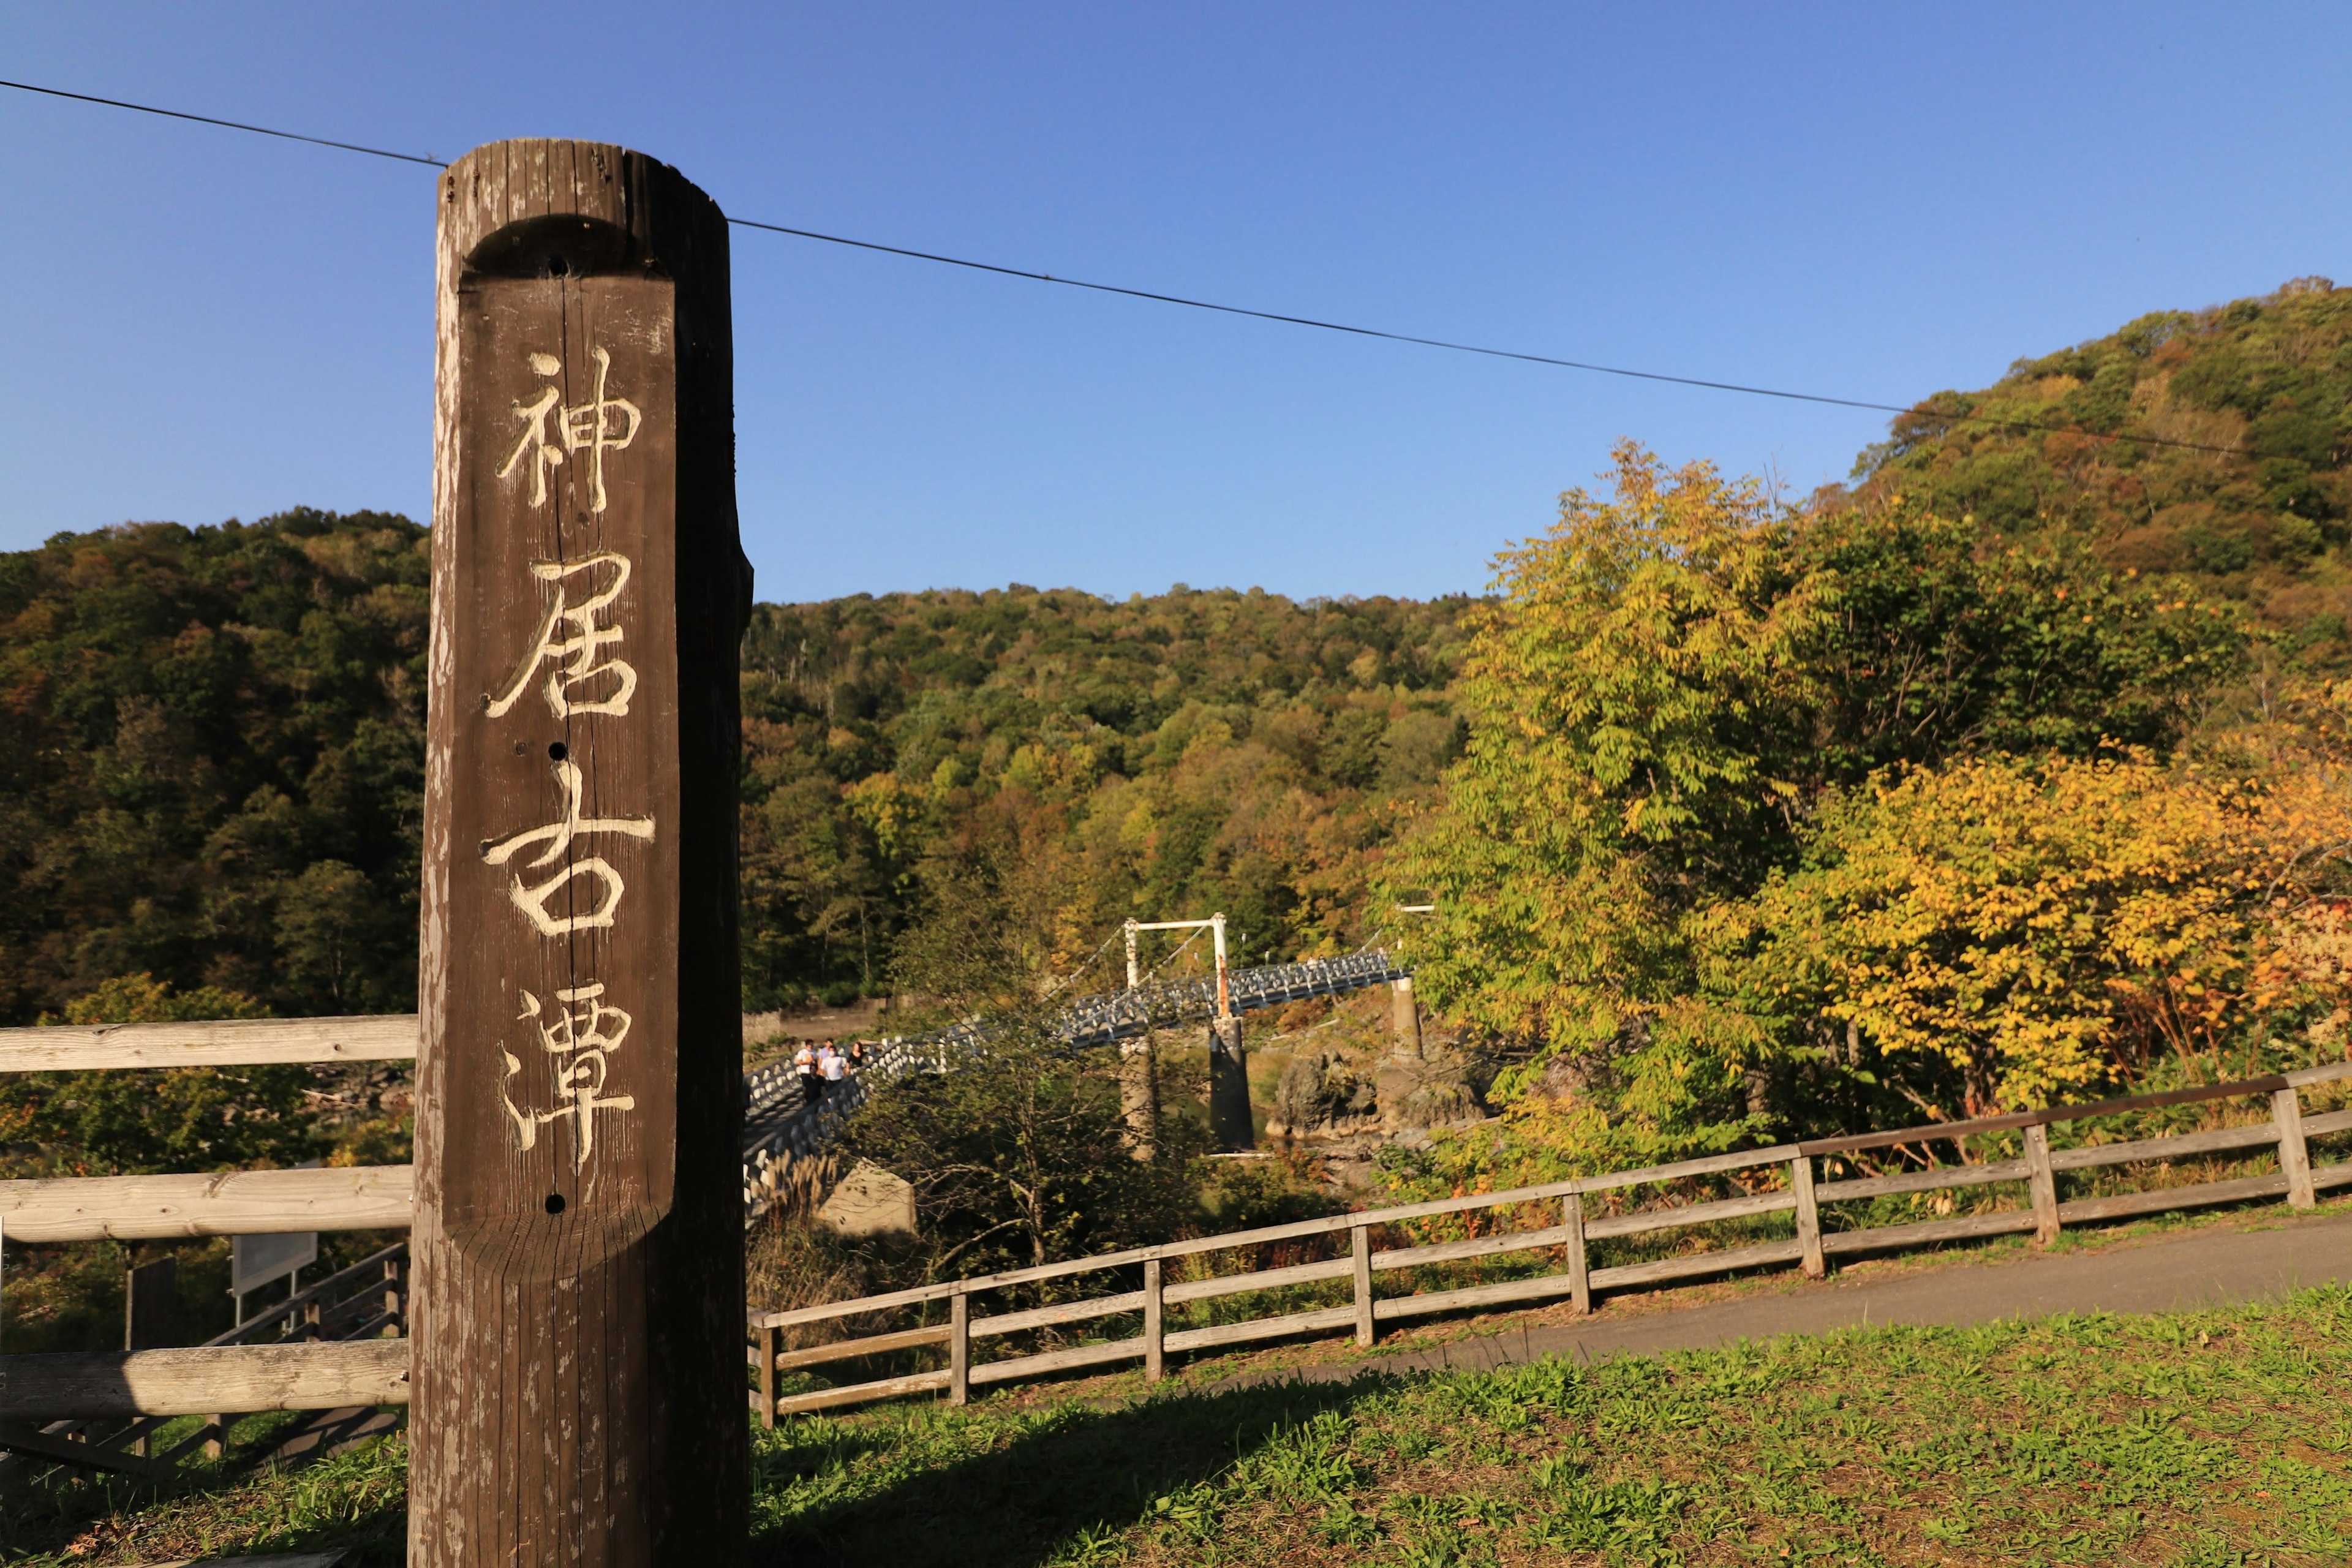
{"x": 1567, "y": 1222}
{"x": 363, "y": 1301}
{"x": 47, "y": 1400}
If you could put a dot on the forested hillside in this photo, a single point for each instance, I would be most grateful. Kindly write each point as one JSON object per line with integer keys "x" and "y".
{"x": 212, "y": 737}
{"x": 1160, "y": 758}
{"x": 211, "y": 761}
{"x": 2215, "y": 444}
{"x": 213, "y": 754}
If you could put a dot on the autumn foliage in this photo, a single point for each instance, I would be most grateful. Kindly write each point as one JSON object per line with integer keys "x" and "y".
{"x": 1776, "y": 820}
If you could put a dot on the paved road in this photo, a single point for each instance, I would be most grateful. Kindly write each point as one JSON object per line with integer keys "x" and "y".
{"x": 2202, "y": 1268}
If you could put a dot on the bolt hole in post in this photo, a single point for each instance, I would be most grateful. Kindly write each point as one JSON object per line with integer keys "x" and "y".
{"x": 555, "y": 1203}
{"x": 557, "y": 267}
{"x": 558, "y": 749}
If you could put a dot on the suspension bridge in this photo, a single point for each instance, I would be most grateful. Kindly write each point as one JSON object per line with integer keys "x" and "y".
{"x": 779, "y": 1125}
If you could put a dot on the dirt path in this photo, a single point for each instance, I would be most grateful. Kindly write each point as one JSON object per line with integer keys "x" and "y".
{"x": 2200, "y": 1268}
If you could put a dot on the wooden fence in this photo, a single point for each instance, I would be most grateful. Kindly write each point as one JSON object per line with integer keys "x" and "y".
{"x": 145, "y": 1386}
{"x": 1573, "y": 1224}
{"x": 333, "y": 1356}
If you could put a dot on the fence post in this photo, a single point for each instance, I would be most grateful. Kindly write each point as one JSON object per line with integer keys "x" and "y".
{"x": 959, "y": 1349}
{"x": 578, "y": 1243}
{"x": 1579, "y": 1270}
{"x": 2293, "y": 1155}
{"x": 1809, "y": 1216}
{"x": 1155, "y": 1331}
{"x": 2043, "y": 1181}
{"x": 1359, "y": 1243}
{"x": 771, "y": 1345}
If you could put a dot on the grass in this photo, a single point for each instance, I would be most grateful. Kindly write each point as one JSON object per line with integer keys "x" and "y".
{"x": 2219, "y": 1437}
{"x": 2212, "y": 1437}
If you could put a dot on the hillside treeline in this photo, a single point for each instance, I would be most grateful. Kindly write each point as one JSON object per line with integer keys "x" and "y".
{"x": 1729, "y": 805}
{"x": 1085, "y": 760}
{"x": 213, "y": 756}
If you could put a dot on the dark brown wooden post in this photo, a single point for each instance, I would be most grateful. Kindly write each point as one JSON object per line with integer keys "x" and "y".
{"x": 577, "y": 1303}
{"x": 151, "y": 1305}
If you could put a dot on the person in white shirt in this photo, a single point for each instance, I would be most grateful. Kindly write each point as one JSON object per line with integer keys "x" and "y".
{"x": 831, "y": 1063}
{"x": 804, "y": 1063}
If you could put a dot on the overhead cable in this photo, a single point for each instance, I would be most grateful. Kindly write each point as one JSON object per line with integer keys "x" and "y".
{"x": 2001, "y": 421}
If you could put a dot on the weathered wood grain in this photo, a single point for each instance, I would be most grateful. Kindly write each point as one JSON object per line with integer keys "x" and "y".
{"x": 88, "y": 1384}
{"x": 2165, "y": 1198}
{"x": 1881, "y": 1237}
{"x": 1060, "y": 1312}
{"x": 1857, "y": 1188}
{"x": 1540, "y": 1288}
{"x": 1690, "y": 1265}
{"x": 1649, "y": 1220}
{"x": 227, "y": 1202}
{"x": 1014, "y": 1368}
{"x": 579, "y": 1299}
{"x": 1260, "y": 1280}
{"x": 228, "y": 1042}
{"x": 1474, "y": 1246}
{"x": 873, "y": 1344}
{"x": 2178, "y": 1146}
{"x": 860, "y": 1393}
{"x": 1316, "y": 1323}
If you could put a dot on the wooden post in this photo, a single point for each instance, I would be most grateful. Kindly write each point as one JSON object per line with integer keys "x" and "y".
{"x": 771, "y": 1345}
{"x": 2042, "y": 1182}
{"x": 959, "y": 1349}
{"x": 2294, "y": 1154}
{"x": 1359, "y": 1244}
{"x": 1580, "y": 1266}
{"x": 151, "y": 1305}
{"x": 1809, "y": 1217}
{"x": 578, "y": 1241}
{"x": 1155, "y": 1329}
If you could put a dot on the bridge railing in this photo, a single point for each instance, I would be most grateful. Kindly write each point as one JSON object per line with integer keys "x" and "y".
{"x": 1562, "y": 1219}
{"x": 774, "y": 1139}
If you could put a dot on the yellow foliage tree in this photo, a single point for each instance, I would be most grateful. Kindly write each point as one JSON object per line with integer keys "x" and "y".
{"x": 2041, "y": 925}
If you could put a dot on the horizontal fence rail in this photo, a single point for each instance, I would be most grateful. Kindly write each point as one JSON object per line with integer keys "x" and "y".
{"x": 366, "y": 1300}
{"x": 1801, "y": 1194}
{"x": 777, "y": 1126}
{"x": 226, "y": 1203}
{"x": 195, "y": 1382}
{"x": 215, "y": 1043}
{"x": 344, "y": 1367}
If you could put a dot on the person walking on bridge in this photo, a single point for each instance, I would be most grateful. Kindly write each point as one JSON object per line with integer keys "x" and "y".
{"x": 832, "y": 1065}
{"x": 804, "y": 1063}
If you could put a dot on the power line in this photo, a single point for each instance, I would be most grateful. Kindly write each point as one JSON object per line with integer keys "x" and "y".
{"x": 229, "y": 124}
{"x": 2043, "y": 425}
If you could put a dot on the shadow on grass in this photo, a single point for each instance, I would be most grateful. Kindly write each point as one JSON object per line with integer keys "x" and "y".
{"x": 1046, "y": 1484}
{"x": 354, "y": 1502}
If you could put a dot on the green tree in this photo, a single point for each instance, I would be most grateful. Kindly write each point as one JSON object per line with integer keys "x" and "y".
{"x": 181, "y": 1119}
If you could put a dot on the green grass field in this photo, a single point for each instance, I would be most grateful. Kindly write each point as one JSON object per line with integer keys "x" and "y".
{"x": 2216, "y": 1437}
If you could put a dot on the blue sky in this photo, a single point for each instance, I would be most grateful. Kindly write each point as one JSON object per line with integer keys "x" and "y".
{"x": 1873, "y": 202}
